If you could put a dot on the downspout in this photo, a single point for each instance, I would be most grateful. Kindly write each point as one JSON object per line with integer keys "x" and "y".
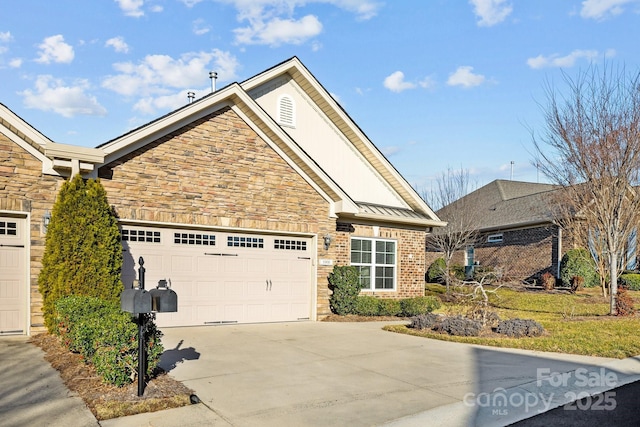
{"x": 559, "y": 257}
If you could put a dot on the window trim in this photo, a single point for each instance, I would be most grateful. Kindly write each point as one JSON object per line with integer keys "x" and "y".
{"x": 374, "y": 264}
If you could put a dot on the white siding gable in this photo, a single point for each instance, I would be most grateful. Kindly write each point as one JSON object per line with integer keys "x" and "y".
{"x": 325, "y": 144}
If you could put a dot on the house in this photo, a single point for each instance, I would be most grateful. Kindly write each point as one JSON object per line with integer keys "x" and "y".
{"x": 244, "y": 200}
{"x": 516, "y": 229}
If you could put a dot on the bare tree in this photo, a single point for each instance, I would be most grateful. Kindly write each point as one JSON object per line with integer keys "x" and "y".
{"x": 462, "y": 220}
{"x": 591, "y": 147}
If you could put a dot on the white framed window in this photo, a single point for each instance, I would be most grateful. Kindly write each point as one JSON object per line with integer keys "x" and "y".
{"x": 495, "y": 238}
{"x": 375, "y": 260}
{"x": 286, "y": 111}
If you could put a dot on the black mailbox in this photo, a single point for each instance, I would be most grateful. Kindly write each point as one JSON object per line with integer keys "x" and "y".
{"x": 135, "y": 301}
{"x": 163, "y": 299}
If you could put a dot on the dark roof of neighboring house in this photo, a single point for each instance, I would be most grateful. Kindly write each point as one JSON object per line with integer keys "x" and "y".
{"x": 506, "y": 204}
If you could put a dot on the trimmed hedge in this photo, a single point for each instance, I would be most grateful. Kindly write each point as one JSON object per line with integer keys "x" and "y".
{"x": 367, "y": 305}
{"x": 389, "y": 307}
{"x": 105, "y": 336}
{"x": 410, "y": 307}
{"x": 631, "y": 281}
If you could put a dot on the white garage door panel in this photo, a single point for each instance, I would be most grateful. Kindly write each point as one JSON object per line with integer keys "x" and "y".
{"x": 257, "y": 279}
{"x": 13, "y": 286}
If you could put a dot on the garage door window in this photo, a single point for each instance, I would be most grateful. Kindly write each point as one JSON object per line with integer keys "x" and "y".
{"x": 375, "y": 260}
{"x": 134, "y": 235}
{"x": 290, "y": 245}
{"x": 8, "y": 228}
{"x": 194, "y": 239}
{"x": 245, "y": 242}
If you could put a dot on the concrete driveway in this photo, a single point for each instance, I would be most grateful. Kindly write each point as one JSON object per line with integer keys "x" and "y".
{"x": 335, "y": 374}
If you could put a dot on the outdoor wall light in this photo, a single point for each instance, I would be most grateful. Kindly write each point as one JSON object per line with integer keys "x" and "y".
{"x": 46, "y": 219}
{"x": 327, "y": 241}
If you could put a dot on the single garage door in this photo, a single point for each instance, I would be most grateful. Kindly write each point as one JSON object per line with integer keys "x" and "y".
{"x": 13, "y": 278}
{"x": 223, "y": 277}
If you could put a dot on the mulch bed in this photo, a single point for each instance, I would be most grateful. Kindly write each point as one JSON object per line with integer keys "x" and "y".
{"x": 108, "y": 401}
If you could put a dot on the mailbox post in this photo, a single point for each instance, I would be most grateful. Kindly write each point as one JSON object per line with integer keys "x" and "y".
{"x": 138, "y": 301}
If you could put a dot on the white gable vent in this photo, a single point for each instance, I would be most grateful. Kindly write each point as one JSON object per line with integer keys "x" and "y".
{"x": 286, "y": 111}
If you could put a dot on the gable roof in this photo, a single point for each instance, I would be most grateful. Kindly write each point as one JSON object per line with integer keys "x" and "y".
{"x": 236, "y": 97}
{"x": 506, "y": 204}
{"x": 57, "y": 159}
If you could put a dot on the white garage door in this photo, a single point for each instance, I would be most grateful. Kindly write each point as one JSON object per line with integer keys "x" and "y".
{"x": 223, "y": 277}
{"x": 13, "y": 278}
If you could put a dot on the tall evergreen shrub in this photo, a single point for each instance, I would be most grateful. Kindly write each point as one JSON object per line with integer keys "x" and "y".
{"x": 83, "y": 253}
{"x": 344, "y": 283}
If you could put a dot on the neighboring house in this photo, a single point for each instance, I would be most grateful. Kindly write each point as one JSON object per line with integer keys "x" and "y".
{"x": 516, "y": 229}
{"x": 244, "y": 199}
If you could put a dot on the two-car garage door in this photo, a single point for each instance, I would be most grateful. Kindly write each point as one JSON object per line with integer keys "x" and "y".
{"x": 223, "y": 277}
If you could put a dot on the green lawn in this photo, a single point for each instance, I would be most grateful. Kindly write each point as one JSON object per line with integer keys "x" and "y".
{"x": 575, "y": 323}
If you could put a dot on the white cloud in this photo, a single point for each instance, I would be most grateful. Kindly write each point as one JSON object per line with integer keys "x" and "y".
{"x": 5, "y": 37}
{"x": 491, "y": 12}
{"x": 567, "y": 61}
{"x": 427, "y": 83}
{"x": 464, "y": 76}
{"x": 190, "y": 3}
{"x": 395, "y": 82}
{"x": 199, "y": 27}
{"x": 279, "y": 31}
{"x": 15, "y": 63}
{"x": 54, "y": 49}
{"x": 157, "y": 78}
{"x": 273, "y": 22}
{"x": 601, "y": 9}
{"x": 51, "y": 94}
{"x": 391, "y": 150}
{"x": 131, "y": 7}
{"x": 118, "y": 44}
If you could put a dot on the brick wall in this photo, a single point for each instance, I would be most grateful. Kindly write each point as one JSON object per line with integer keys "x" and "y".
{"x": 410, "y": 252}
{"x": 523, "y": 254}
{"x": 25, "y": 189}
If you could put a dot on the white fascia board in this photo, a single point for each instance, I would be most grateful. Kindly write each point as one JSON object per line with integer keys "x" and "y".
{"x": 23, "y": 126}
{"x": 83, "y": 154}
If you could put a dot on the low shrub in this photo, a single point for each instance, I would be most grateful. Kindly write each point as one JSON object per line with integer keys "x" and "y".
{"x": 624, "y": 303}
{"x": 459, "y": 326}
{"x": 105, "y": 336}
{"x": 436, "y": 271}
{"x": 410, "y": 307}
{"x": 631, "y": 281}
{"x": 389, "y": 307}
{"x": 548, "y": 281}
{"x": 458, "y": 272}
{"x": 424, "y": 321}
{"x": 367, "y": 305}
{"x": 344, "y": 283}
{"x": 517, "y": 328}
{"x": 116, "y": 358}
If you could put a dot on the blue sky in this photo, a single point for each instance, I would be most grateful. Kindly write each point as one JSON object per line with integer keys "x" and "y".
{"x": 435, "y": 84}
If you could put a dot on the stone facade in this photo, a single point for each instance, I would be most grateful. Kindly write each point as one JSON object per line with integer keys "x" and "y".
{"x": 216, "y": 172}
{"x": 25, "y": 189}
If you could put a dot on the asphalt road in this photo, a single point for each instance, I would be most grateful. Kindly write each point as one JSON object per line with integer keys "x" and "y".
{"x": 615, "y": 408}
